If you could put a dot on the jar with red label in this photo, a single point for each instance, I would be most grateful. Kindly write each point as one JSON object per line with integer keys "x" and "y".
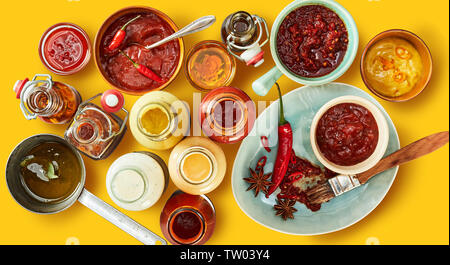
{"x": 227, "y": 114}
{"x": 188, "y": 219}
{"x": 65, "y": 48}
{"x": 96, "y": 131}
{"x": 51, "y": 101}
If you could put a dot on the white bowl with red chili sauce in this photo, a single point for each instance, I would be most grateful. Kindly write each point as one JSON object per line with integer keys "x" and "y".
{"x": 349, "y": 135}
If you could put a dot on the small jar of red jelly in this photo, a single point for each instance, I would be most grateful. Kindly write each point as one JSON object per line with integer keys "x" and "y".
{"x": 51, "y": 101}
{"x": 227, "y": 114}
{"x": 65, "y": 48}
{"x": 96, "y": 131}
{"x": 188, "y": 219}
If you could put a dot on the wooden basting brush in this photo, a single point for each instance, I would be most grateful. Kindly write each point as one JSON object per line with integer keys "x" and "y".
{"x": 343, "y": 183}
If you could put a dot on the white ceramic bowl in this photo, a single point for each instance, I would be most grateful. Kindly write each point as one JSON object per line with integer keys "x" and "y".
{"x": 383, "y": 136}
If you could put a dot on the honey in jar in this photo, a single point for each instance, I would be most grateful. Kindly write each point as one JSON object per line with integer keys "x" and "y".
{"x": 209, "y": 65}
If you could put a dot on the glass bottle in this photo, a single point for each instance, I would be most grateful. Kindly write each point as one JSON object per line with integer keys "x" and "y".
{"x": 136, "y": 181}
{"x": 96, "y": 131}
{"x": 188, "y": 219}
{"x": 51, "y": 101}
{"x": 227, "y": 115}
{"x": 240, "y": 29}
{"x": 197, "y": 165}
{"x": 159, "y": 120}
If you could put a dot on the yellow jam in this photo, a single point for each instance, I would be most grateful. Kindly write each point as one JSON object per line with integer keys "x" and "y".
{"x": 196, "y": 167}
{"x": 154, "y": 120}
{"x": 393, "y": 66}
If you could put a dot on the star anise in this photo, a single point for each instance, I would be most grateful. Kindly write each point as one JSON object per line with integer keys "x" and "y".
{"x": 259, "y": 181}
{"x": 285, "y": 209}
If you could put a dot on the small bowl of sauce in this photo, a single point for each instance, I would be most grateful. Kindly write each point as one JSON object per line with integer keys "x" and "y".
{"x": 209, "y": 65}
{"x": 349, "y": 135}
{"x": 65, "y": 48}
{"x": 188, "y": 219}
{"x": 227, "y": 115}
{"x": 396, "y": 65}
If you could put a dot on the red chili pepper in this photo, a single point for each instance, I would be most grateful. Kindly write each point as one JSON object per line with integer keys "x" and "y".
{"x": 120, "y": 35}
{"x": 284, "y": 149}
{"x": 144, "y": 70}
{"x": 260, "y": 164}
{"x": 265, "y": 143}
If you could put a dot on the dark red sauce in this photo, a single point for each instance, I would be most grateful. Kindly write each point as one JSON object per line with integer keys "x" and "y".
{"x": 163, "y": 60}
{"x": 227, "y": 113}
{"x": 85, "y": 131}
{"x": 347, "y": 134}
{"x": 312, "y": 41}
{"x": 64, "y": 48}
{"x": 186, "y": 226}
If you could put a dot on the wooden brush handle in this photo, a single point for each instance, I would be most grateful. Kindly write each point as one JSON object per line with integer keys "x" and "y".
{"x": 410, "y": 152}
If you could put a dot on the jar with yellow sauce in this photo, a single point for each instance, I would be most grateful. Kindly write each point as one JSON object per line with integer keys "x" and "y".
{"x": 159, "y": 120}
{"x": 197, "y": 165}
{"x": 393, "y": 66}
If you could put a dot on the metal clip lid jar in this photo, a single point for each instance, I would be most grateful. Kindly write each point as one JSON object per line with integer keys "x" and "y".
{"x": 242, "y": 32}
{"x": 51, "y": 101}
{"x": 96, "y": 131}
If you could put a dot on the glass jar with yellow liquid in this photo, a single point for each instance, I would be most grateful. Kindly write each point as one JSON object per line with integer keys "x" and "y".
{"x": 159, "y": 120}
{"x": 197, "y": 165}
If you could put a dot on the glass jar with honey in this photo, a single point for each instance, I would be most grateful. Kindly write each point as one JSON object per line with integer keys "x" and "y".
{"x": 227, "y": 115}
{"x": 188, "y": 219}
{"x": 96, "y": 131}
{"x": 159, "y": 120}
{"x": 209, "y": 65}
{"x": 197, "y": 165}
{"x": 51, "y": 101}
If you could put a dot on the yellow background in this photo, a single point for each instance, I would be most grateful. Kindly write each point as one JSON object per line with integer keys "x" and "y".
{"x": 415, "y": 211}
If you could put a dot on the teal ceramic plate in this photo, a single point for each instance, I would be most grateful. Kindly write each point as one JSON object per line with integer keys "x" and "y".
{"x": 300, "y": 107}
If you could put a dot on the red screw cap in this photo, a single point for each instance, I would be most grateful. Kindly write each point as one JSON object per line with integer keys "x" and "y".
{"x": 112, "y": 100}
{"x": 18, "y": 86}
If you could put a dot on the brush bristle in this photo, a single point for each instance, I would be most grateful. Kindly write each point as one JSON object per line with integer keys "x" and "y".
{"x": 320, "y": 193}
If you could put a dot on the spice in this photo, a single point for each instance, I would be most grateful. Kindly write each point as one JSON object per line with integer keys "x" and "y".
{"x": 120, "y": 35}
{"x": 285, "y": 209}
{"x": 144, "y": 70}
{"x": 258, "y": 181}
{"x": 284, "y": 148}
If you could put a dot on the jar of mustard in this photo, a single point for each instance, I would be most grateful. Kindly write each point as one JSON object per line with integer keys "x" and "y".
{"x": 197, "y": 165}
{"x": 159, "y": 120}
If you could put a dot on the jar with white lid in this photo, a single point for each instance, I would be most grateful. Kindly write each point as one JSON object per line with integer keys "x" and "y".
{"x": 136, "y": 181}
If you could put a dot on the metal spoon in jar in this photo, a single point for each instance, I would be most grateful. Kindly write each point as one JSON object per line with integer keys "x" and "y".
{"x": 196, "y": 26}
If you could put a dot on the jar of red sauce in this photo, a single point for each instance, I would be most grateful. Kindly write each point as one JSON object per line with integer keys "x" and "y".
{"x": 65, "y": 48}
{"x": 188, "y": 219}
{"x": 227, "y": 114}
{"x": 51, "y": 101}
{"x": 96, "y": 130}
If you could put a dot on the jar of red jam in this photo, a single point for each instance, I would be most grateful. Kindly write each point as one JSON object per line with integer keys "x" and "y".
{"x": 65, "y": 48}
{"x": 51, "y": 101}
{"x": 227, "y": 114}
{"x": 188, "y": 219}
{"x": 96, "y": 131}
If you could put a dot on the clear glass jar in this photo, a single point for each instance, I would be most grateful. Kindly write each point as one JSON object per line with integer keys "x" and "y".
{"x": 136, "y": 181}
{"x": 197, "y": 165}
{"x": 188, "y": 219}
{"x": 51, "y": 101}
{"x": 240, "y": 29}
{"x": 227, "y": 115}
{"x": 96, "y": 131}
{"x": 159, "y": 120}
